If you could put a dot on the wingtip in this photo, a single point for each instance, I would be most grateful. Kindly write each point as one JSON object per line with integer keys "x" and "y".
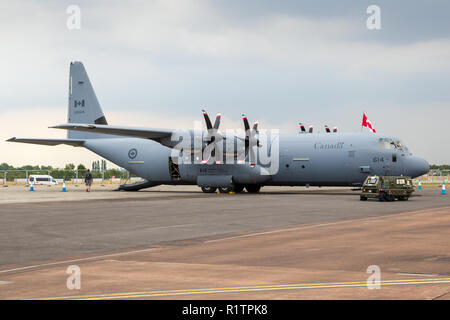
{"x": 11, "y": 139}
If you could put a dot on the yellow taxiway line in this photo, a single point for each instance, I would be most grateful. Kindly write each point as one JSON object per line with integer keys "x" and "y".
{"x": 298, "y": 286}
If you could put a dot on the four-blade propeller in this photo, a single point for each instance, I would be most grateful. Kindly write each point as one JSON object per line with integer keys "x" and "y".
{"x": 250, "y": 141}
{"x": 213, "y": 140}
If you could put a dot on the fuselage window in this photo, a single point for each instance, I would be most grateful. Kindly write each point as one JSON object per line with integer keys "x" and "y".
{"x": 394, "y": 158}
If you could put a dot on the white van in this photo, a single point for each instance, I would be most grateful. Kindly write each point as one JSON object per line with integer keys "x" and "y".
{"x": 38, "y": 179}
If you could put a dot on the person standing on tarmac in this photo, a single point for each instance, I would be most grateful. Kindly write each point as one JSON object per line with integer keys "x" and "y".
{"x": 88, "y": 180}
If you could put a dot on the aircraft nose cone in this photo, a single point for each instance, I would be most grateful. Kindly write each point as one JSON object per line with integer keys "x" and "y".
{"x": 419, "y": 167}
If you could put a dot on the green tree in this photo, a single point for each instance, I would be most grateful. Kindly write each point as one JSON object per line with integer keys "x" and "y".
{"x": 70, "y": 167}
{"x": 5, "y": 166}
{"x": 81, "y": 167}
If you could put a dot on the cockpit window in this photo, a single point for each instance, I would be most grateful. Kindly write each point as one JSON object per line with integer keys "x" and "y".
{"x": 386, "y": 143}
{"x": 389, "y": 144}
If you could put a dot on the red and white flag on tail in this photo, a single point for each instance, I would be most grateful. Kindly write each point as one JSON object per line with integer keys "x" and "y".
{"x": 366, "y": 123}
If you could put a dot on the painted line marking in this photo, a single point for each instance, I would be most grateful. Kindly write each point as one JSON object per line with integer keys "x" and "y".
{"x": 330, "y": 285}
{"x": 5, "y": 282}
{"x": 77, "y": 260}
{"x": 418, "y": 274}
{"x": 369, "y": 219}
{"x": 95, "y": 257}
{"x": 228, "y": 238}
{"x": 175, "y": 226}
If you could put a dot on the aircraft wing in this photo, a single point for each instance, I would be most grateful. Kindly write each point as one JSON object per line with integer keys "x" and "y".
{"x": 145, "y": 133}
{"x": 49, "y": 142}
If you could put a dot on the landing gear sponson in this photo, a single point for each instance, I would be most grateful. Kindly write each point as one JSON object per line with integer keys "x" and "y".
{"x": 251, "y": 188}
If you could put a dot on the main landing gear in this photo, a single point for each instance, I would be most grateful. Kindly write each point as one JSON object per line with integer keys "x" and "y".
{"x": 238, "y": 188}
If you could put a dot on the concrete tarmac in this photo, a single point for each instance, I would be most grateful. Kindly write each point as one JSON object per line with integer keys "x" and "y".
{"x": 137, "y": 231}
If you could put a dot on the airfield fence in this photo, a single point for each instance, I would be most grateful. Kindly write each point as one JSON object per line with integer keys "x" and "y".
{"x": 430, "y": 179}
{"x": 18, "y": 176}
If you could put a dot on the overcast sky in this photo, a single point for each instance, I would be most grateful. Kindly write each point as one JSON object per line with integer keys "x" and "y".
{"x": 158, "y": 63}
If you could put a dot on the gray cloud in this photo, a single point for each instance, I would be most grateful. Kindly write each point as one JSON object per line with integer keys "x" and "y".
{"x": 277, "y": 61}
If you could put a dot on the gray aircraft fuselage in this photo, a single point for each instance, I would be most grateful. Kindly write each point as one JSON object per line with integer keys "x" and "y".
{"x": 317, "y": 159}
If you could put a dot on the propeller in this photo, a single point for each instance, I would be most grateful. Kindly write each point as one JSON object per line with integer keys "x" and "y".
{"x": 250, "y": 140}
{"x": 213, "y": 137}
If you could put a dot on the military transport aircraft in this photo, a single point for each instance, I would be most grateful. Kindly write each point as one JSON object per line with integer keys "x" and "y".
{"x": 224, "y": 161}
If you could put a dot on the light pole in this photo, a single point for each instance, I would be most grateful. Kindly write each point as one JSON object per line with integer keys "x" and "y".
{"x": 4, "y": 179}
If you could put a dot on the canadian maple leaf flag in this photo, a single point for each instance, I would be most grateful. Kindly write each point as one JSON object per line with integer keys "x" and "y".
{"x": 366, "y": 123}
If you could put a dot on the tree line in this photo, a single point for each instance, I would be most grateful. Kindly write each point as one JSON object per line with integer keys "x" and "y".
{"x": 440, "y": 167}
{"x": 70, "y": 171}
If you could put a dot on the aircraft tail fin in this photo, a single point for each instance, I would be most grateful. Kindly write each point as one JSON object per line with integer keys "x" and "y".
{"x": 83, "y": 103}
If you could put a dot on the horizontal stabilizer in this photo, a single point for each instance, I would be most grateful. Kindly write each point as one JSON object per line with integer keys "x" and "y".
{"x": 49, "y": 142}
{"x": 145, "y": 133}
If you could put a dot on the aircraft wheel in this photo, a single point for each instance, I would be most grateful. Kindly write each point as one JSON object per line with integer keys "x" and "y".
{"x": 252, "y": 188}
{"x": 238, "y": 188}
{"x": 225, "y": 190}
{"x": 209, "y": 189}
